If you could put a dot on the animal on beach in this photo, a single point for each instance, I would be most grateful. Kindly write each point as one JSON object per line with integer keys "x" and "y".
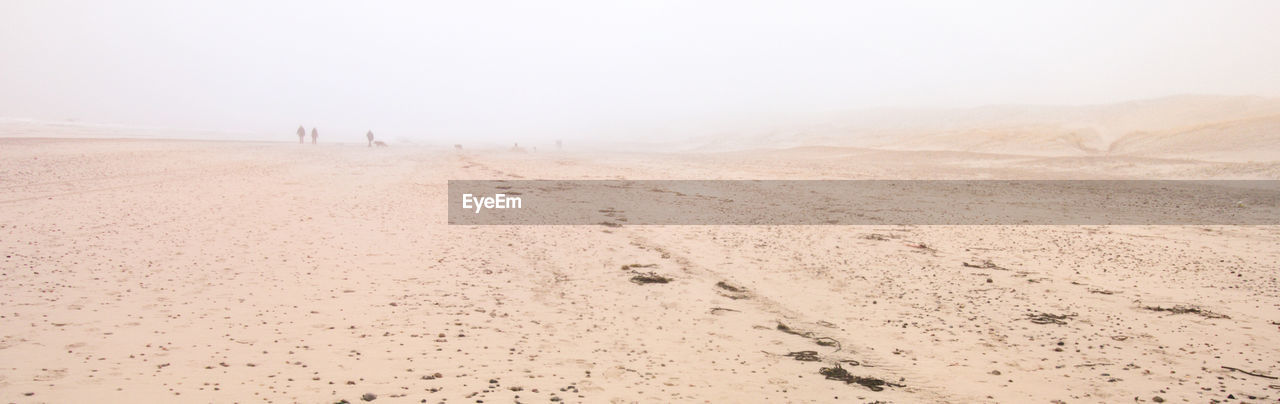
{"x": 379, "y": 143}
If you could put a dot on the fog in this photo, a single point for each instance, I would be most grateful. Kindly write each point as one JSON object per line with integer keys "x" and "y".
{"x": 512, "y": 71}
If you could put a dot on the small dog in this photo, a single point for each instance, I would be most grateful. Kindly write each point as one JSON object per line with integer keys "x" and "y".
{"x": 379, "y": 143}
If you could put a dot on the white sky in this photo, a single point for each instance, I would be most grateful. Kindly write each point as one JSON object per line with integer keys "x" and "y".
{"x": 543, "y": 70}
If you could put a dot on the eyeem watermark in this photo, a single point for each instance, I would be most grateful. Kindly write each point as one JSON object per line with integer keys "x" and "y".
{"x": 497, "y": 201}
{"x": 864, "y": 202}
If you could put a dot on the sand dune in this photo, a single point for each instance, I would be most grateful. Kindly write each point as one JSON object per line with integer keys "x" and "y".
{"x": 1203, "y": 127}
{"x": 1247, "y": 139}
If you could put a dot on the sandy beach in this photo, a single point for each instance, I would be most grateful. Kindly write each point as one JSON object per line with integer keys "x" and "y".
{"x": 200, "y": 271}
{"x": 577, "y": 201}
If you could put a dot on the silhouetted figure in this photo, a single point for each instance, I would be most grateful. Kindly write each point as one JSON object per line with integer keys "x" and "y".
{"x": 370, "y": 137}
{"x": 314, "y": 135}
{"x": 302, "y": 132}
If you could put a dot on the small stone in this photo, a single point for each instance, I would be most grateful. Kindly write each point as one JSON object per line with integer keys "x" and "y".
{"x": 995, "y": 372}
{"x": 1157, "y": 399}
{"x": 369, "y": 397}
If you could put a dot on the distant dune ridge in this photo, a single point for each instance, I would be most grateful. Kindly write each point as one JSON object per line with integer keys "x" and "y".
{"x": 1202, "y": 127}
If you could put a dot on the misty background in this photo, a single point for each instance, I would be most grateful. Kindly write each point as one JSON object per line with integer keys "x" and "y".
{"x": 498, "y": 71}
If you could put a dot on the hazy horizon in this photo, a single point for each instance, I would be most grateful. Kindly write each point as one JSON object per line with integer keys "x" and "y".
{"x": 496, "y": 72}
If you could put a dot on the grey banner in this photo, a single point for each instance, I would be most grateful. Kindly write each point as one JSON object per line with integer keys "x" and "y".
{"x": 864, "y": 202}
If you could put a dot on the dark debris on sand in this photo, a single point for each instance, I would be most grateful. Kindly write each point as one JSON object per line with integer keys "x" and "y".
{"x": 922, "y": 247}
{"x": 806, "y": 356}
{"x": 828, "y": 341}
{"x": 986, "y": 264}
{"x": 648, "y": 277}
{"x": 839, "y": 373}
{"x": 1185, "y": 309}
{"x": 731, "y": 291}
{"x": 1047, "y": 318}
{"x": 820, "y": 340}
{"x": 728, "y": 287}
{"x": 783, "y": 327}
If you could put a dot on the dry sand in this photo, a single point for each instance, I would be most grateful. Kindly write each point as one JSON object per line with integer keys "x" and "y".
{"x": 189, "y": 271}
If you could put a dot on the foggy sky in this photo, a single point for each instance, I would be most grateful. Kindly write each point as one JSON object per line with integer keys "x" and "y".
{"x": 544, "y": 70}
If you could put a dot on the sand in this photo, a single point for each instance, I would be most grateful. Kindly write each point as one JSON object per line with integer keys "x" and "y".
{"x": 197, "y": 271}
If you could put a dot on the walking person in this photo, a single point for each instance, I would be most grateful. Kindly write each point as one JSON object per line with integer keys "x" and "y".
{"x": 302, "y": 132}
{"x": 370, "y": 137}
{"x": 314, "y": 135}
